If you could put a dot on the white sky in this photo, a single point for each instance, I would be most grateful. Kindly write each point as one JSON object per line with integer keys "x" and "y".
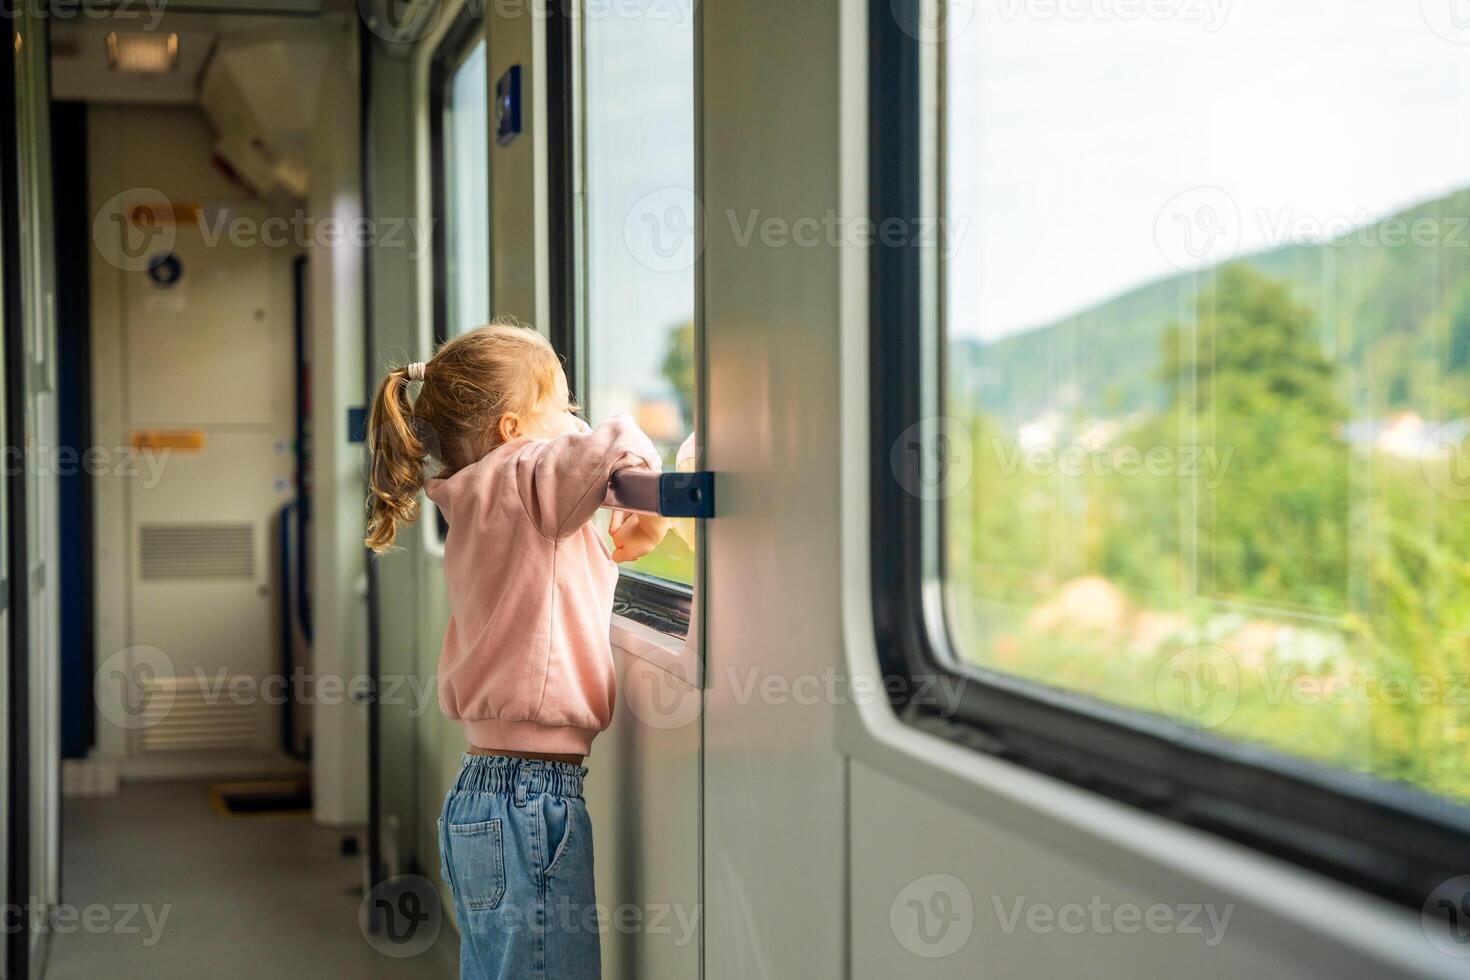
{"x": 640, "y": 142}
{"x": 1069, "y": 135}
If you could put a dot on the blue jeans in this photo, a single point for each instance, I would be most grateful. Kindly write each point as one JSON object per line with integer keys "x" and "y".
{"x": 515, "y": 846}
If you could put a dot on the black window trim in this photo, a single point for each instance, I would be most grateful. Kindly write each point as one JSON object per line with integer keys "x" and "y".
{"x": 657, "y": 603}
{"x": 1390, "y": 840}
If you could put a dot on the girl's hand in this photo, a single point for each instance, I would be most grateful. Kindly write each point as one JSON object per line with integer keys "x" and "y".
{"x": 635, "y": 535}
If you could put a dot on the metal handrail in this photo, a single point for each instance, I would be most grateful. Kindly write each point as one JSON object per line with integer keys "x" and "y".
{"x": 676, "y": 494}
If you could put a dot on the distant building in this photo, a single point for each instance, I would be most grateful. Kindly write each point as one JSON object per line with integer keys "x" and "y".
{"x": 1405, "y": 435}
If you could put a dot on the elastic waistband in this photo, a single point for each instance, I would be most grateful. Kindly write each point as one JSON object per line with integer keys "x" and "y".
{"x": 504, "y": 774}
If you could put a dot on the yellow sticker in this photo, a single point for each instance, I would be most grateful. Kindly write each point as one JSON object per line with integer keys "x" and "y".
{"x": 149, "y": 214}
{"x": 177, "y": 440}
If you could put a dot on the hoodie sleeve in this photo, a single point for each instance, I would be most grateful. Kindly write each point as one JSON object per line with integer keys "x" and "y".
{"x": 563, "y": 481}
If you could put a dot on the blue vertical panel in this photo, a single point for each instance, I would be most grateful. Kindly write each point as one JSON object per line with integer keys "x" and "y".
{"x": 74, "y": 424}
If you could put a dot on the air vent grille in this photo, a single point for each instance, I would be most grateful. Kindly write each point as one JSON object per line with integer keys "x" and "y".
{"x": 181, "y": 715}
{"x": 194, "y": 551}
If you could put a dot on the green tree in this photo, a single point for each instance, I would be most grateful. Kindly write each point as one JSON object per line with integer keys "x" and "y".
{"x": 678, "y": 369}
{"x": 1253, "y": 398}
{"x": 1251, "y": 342}
{"x": 1247, "y": 383}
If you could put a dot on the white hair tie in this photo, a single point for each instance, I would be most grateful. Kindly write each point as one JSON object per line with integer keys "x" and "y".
{"x": 416, "y": 371}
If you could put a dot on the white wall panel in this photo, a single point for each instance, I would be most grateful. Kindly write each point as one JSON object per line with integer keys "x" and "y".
{"x": 773, "y": 806}
{"x": 964, "y": 898}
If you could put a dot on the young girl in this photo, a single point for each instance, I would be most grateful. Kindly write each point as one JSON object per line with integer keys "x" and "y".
{"x": 526, "y": 666}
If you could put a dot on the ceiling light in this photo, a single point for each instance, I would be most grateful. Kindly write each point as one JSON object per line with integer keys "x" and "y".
{"x": 143, "y": 54}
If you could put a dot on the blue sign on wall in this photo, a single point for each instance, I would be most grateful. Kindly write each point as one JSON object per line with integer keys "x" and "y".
{"x": 508, "y": 106}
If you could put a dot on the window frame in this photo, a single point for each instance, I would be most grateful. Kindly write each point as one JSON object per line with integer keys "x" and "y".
{"x": 660, "y": 604}
{"x": 1395, "y": 842}
{"x": 450, "y": 54}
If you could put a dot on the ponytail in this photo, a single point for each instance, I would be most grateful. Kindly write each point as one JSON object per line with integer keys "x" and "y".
{"x": 396, "y": 472}
{"x": 468, "y": 385}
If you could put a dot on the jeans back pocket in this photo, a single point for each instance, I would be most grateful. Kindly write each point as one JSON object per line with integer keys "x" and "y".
{"x": 477, "y": 864}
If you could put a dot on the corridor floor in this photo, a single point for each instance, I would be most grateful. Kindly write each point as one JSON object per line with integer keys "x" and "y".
{"x": 212, "y": 896}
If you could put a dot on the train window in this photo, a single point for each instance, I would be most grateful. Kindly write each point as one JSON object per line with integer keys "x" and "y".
{"x": 460, "y": 120}
{"x": 1179, "y": 409}
{"x": 640, "y": 248}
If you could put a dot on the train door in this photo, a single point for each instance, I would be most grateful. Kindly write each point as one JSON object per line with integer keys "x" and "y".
{"x": 207, "y": 193}
{"x": 32, "y": 741}
{"x": 11, "y": 828}
{"x": 213, "y": 415}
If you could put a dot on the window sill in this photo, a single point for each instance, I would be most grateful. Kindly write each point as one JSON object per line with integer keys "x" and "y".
{"x": 673, "y": 654}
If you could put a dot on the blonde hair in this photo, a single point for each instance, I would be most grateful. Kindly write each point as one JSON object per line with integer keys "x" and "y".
{"x": 471, "y": 382}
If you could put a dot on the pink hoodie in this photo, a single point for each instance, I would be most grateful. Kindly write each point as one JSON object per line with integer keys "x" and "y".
{"x": 526, "y": 664}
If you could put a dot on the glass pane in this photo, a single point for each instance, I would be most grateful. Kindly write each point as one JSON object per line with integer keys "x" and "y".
{"x": 1207, "y": 304}
{"x": 467, "y": 194}
{"x": 641, "y": 247}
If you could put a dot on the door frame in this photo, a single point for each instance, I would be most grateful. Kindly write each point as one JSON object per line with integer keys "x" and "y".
{"x": 17, "y": 574}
